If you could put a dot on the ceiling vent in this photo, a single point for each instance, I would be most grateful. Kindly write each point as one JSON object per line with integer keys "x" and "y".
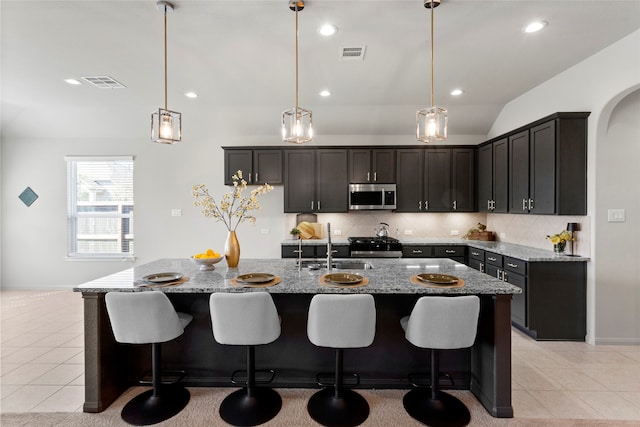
{"x": 352, "y": 53}
{"x": 104, "y": 82}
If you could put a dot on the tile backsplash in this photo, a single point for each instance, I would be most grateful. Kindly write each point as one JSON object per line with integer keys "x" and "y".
{"x": 529, "y": 230}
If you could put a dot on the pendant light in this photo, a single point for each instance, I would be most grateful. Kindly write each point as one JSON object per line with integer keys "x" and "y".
{"x": 297, "y": 123}
{"x": 431, "y": 123}
{"x": 166, "y": 125}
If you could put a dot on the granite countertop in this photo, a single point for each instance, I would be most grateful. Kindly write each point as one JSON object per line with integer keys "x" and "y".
{"x": 525, "y": 253}
{"x": 388, "y": 276}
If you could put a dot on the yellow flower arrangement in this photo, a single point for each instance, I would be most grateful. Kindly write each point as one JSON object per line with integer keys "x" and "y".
{"x": 560, "y": 238}
{"x": 233, "y": 208}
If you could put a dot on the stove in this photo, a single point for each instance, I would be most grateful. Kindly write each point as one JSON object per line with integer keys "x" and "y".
{"x": 375, "y": 247}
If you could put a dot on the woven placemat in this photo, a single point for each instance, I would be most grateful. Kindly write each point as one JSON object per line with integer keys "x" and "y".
{"x": 323, "y": 282}
{"x": 142, "y": 284}
{"x": 414, "y": 279}
{"x": 274, "y": 281}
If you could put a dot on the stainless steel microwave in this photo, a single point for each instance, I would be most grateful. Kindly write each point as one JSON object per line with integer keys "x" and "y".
{"x": 372, "y": 196}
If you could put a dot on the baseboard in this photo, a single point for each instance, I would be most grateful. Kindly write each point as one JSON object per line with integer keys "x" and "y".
{"x": 617, "y": 341}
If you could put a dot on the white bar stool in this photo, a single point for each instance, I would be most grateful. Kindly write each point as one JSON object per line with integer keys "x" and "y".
{"x": 249, "y": 319}
{"x": 149, "y": 318}
{"x": 340, "y": 321}
{"x": 440, "y": 323}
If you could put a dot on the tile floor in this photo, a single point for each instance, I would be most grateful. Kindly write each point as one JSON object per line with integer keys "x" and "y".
{"x": 41, "y": 366}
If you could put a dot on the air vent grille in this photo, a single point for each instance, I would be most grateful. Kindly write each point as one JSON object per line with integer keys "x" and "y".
{"x": 104, "y": 82}
{"x": 352, "y": 53}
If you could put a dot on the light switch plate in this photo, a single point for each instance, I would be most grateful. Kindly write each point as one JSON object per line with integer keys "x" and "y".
{"x": 615, "y": 215}
{"x": 176, "y": 212}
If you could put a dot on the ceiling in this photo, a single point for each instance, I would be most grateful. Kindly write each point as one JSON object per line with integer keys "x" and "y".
{"x": 238, "y": 56}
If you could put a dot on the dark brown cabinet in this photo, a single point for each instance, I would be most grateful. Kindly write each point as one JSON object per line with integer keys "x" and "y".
{"x": 378, "y": 165}
{"x": 314, "y": 251}
{"x": 493, "y": 176}
{"x": 548, "y": 167}
{"x": 456, "y": 253}
{"x": 257, "y": 166}
{"x": 315, "y": 180}
{"x": 435, "y": 180}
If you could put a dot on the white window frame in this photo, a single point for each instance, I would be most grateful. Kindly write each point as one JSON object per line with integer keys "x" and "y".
{"x": 73, "y": 254}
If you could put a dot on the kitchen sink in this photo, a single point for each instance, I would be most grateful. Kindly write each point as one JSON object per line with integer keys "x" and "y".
{"x": 338, "y": 265}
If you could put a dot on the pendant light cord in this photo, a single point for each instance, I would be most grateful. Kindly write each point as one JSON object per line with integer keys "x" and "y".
{"x": 165, "y": 58}
{"x": 296, "y": 58}
{"x": 432, "y": 67}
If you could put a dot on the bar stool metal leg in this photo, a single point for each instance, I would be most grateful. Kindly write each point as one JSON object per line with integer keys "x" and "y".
{"x": 338, "y": 406}
{"x": 251, "y": 405}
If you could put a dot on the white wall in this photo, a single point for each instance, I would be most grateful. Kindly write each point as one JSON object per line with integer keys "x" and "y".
{"x": 594, "y": 85}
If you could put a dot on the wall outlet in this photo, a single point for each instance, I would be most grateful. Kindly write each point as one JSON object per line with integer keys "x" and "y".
{"x": 337, "y": 232}
{"x": 176, "y": 212}
{"x": 408, "y": 232}
{"x": 264, "y": 231}
{"x": 455, "y": 232}
{"x": 503, "y": 235}
{"x": 615, "y": 215}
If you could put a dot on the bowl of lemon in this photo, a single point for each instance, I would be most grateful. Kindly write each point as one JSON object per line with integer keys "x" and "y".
{"x": 207, "y": 259}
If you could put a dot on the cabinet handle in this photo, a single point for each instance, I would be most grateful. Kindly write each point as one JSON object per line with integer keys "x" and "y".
{"x": 524, "y": 204}
{"x": 505, "y": 276}
{"x": 512, "y": 265}
{"x": 499, "y": 274}
{"x": 482, "y": 267}
{"x": 530, "y": 204}
{"x": 334, "y": 251}
{"x": 426, "y": 205}
{"x": 256, "y": 177}
{"x": 455, "y": 205}
{"x": 449, "y": 251}
{"x": 493, "y": 205}
{"x": 368, "y": 177}
{"x": 417, "y": 251}
{"x": 488, "y": 205}
{"x": 375, "y": 176}
{"x": 475, "y": 253}
{"x": 312, "y": 205}
{"x": 491, "y": 258}
{"x": 296, "y": 251}
{"x": 319, "y": 205}
{"x": 420, "y": 205}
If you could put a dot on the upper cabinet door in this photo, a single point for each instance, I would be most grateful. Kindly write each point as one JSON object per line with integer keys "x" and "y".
{"x": 383, "y": 165}
{"x": 409, "y": 180}
{"x": 519, "y": 172}
{"x": 299, "y": 180}
{"x": 485, "y": 178}
{"x": 235, "y": 160}
{"x": 437, "y": 180}
{"x": 463, "y": 192}
{"x": 332, "y": 181}
{"x": 267, "y": 167}
{"x": 542, "y": 164}
{"x": 501, "y": 175}
{"x": 359, "y": 166}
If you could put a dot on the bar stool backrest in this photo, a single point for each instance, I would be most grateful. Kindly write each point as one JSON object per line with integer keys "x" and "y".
{"x": 248, "y": 318}
{"x": 342, "y": 321}
{"x": 444, "y": 322}
{"x": 144, "y": 317}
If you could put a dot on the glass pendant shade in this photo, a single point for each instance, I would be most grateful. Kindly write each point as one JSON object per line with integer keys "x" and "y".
{"x": 166, "y": 126}
{"x": 297, "y": 125}
{"x": 431, "y": 124}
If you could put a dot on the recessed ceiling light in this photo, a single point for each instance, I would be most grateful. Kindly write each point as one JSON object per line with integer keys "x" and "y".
{"x": 328, "y": 30}
{"x": 325, "y": 93}
{"x": 535, "y": 26}
{"x": 72, "y": 81}
{"x": 457, "y": 92}
{"x": 191, "y": 95}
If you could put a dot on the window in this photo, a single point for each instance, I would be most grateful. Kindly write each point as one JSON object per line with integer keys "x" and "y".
{"x": 100, "y": 207}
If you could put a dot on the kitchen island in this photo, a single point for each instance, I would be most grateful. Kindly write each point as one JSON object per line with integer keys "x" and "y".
{"x": 485, "y": 369}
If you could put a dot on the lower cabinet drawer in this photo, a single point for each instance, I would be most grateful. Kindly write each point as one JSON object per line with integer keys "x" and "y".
{"x": 409, "y": 251}
{"x": 493, "y": 259}
{"x": 476, "y": 264}
{"x": 292, "y": 251}
{"x": 477, "y": 254}
{"x": 515, "y": 265}
{"x": 338, "y": 251}
{"x": 449, "y": 251}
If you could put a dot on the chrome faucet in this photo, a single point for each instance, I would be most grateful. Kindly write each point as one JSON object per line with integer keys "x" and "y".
{"x": 329, "y": 248}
